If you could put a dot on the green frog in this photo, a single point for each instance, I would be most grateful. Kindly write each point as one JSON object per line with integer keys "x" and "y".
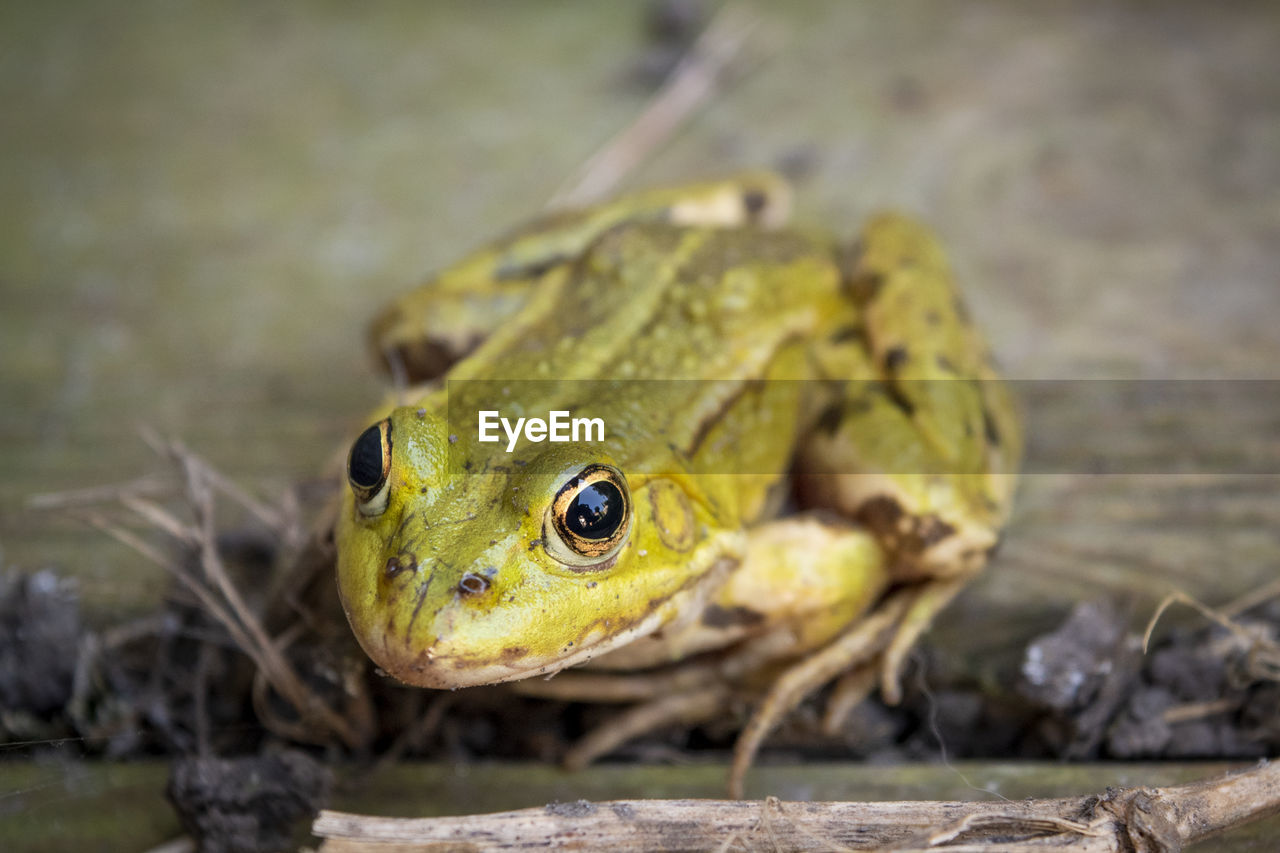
{"x": 806, "y": 454}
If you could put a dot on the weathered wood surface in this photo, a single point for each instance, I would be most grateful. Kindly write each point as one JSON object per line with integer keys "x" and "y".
{"x": 110, "y": 807}
{"x": 202, "y": 207}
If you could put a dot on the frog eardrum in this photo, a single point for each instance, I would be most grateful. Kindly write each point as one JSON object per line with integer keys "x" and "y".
{"x": 369, "y": 468}
{"x": 588, "y": 521}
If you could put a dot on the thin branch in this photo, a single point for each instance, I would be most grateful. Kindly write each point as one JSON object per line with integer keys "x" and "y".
{"x": 178, "y": 452}
{"x": 150, "y": 485}
{"x": 1263, "y": 651}
{"x": 217, "y": 593}
{"x": 1152, "y": 819}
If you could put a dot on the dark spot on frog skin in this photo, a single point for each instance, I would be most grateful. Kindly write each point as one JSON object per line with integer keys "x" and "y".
{"x": 754, "y": 202}
{"x": 535, "y": 544}
{"x": 899, "y": 399}
{"x": 423, "y": 589}
{"x": 908, "y": 536}
{"x": 989, "y": 428}
{"x": 399, "y": 564}
{"x": 513, "y": 653}
{"x": 894, "y": 358}
{"x": 513, "y": 269}
{"x": 880, "y": 514}
{"x": 864, "y": 286}
{"x": 932, "y": 318}
{"x": 946, "y": 364}
{"x": 472, "y": 584}
{"x": 829, "y": 421}
{"x": 849, "y": 335}
{"x": 930, "y": 530}
{"x": 837, "y": 414}
{"x": 716, "y": 616}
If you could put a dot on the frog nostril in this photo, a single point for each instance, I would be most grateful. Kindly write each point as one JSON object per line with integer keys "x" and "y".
{"x": 401, "y": 563}
{"x": 473, "y": 584}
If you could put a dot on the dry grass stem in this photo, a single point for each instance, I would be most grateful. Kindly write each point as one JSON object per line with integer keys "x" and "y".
{"x": 151, "y": 486}
{"x": 1199, "y": 710}
{"x": 698, "y": 77}
{"x": 1257, "y": 640}
{"x": 214, "y": 589}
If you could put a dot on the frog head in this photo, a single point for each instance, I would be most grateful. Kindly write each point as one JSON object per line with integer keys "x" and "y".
{"x": 454, "y": 578}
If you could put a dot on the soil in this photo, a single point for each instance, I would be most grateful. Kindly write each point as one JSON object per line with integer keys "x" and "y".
{"x": 250, "y": 804}
{"x": 247, "y": 768}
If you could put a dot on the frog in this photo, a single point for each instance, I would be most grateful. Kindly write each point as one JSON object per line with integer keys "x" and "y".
{"x": 809, "y": 453}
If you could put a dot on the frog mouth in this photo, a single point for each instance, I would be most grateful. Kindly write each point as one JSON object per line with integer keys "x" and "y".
{"x": 438, "y": 666}
{"x": 444, "y": 671}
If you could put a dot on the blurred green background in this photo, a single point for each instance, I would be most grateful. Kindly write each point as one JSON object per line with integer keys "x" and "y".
{"x": 204, "y": 203}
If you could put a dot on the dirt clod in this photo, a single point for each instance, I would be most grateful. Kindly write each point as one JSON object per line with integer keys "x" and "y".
{"x": 40, "y": 634}
{"x": 248, "y": 804}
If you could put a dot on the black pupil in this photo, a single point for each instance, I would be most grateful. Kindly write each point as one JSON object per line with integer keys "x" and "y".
{"x": 365, "y": 467}
{"x": 596, "y": 511}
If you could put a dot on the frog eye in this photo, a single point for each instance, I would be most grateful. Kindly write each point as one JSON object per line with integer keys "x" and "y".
{"x": 368, "y": 468}
{"x": 589, "y": 519}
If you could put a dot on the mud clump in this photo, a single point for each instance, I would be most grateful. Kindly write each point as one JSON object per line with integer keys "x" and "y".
{"x": 247, "y": 804}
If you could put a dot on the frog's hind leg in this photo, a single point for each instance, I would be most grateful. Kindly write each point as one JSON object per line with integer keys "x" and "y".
{"x": 859, "y": 644}
{"x": 803, "y": 581}
{"x": 874, "y": 644}
{"x": 419, "y": 336}
{"x": 921, "y": 446}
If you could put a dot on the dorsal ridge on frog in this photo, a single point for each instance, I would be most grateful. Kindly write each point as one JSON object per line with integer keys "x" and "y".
{"x": 708, "y": 574}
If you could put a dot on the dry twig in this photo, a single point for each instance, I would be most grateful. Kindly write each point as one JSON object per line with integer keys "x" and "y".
{"x": 694, "y": 81}
{"x": 1257, "y": 641}
{"x": 212, "y": 585}
{"x": 1149, "y": 820}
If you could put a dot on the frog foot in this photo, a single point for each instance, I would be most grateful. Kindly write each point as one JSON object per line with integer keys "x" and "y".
{"x": 872, "y": 650}
{"x": 876, "y": 645}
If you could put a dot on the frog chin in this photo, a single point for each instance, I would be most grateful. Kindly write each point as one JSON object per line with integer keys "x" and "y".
{"x": 445, "y": 671}
{"x": 438, "y": 667}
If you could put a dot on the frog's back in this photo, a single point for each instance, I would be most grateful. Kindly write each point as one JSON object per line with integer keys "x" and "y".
{"x": 653, "y": 301}
{"x": 665, "y": 332}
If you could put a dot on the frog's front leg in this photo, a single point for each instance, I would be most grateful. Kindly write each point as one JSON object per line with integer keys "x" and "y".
{"x": 419, "y": 336}
{"x": 803, "y": 581}
{"x": 922, "y": 446}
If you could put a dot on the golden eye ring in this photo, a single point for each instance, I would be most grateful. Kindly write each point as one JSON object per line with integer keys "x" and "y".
{"x": 589, "y": 518}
